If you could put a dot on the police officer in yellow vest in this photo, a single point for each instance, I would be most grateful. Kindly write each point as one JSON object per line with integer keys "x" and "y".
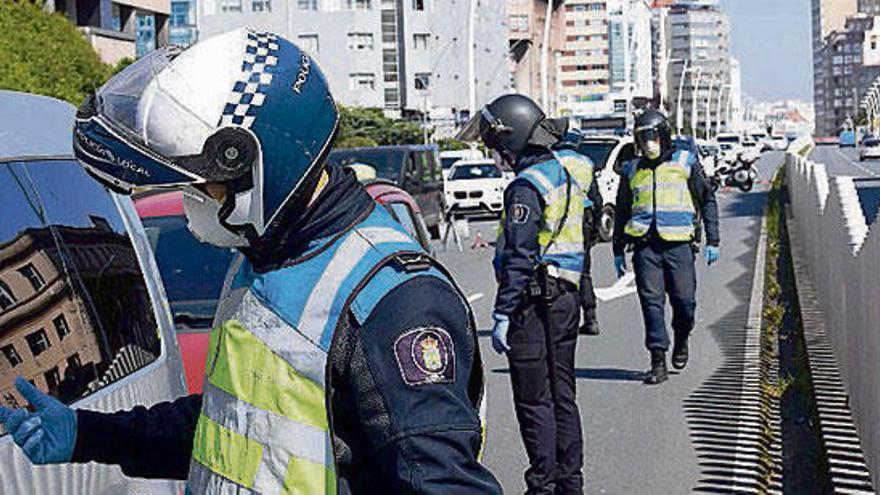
{"x": 539, "y": 261}
{"x": 663, "y": 195}
{"x": 344, "y": 360}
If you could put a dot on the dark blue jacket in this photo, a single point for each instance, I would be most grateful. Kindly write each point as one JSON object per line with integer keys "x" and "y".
{"x": 389, "y": 437}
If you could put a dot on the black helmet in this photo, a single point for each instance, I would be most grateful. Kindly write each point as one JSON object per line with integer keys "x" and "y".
{"x": 508, "y": 125}
{"x": 650, "y": 125}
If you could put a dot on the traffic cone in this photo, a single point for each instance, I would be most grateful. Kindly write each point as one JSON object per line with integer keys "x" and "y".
{"x": 479, "y": 241}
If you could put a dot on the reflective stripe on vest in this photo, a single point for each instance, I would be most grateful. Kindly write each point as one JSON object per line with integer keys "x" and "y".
{"x": 661, "y": 196}
{"x": 566, "y": 254}
{"x": 263, "y": 427}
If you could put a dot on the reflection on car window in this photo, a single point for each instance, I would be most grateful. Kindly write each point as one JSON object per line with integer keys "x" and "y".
{"x": 467, "y": 172}
{"x": 387, "y": 162}
{"x": 80, "y": 316}
{"x": 192, "y": 271}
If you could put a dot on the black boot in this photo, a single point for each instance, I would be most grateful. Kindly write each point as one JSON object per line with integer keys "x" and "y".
{"x": 591, "y": 325}
{"x": 657, "y": 373}
{"x": 680, "y": 351}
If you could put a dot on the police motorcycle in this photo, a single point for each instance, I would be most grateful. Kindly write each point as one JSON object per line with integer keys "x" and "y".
{"x": 741, "y": 174}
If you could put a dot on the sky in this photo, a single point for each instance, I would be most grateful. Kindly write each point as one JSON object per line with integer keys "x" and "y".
{"x": 772, "y": 40}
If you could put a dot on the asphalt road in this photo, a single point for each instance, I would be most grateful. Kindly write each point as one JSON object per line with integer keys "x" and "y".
{"x": 637, "y": 438}
{"x": 845, "y": 161}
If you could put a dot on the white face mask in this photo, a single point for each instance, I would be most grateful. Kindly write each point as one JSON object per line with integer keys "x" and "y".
{"x": 652, "y": 150}
{"x": 202, "y": 215}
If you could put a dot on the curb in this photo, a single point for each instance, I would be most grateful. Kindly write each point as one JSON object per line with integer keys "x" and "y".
{"x": 848, "y": 470}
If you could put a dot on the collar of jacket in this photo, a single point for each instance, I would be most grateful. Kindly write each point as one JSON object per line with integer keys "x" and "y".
{"x": 645, "y": 162}
{"x": 531, "y": 156}
{"x": 340, "y": 206}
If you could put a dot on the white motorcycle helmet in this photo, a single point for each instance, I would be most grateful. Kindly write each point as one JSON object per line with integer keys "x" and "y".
{"x": 247, "y": 110}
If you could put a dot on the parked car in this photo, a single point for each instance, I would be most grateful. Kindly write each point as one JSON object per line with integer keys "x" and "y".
{"x": 751, "y": 151}
{"x": 475, "y": 188}
{"x": 779, "y": 142}
{"x": 194, "y": 272}
{"x": 710, "y": 155}
{"x": 449, "y": 158}
{"x": 82, "y": 309}
{"x": 415, "y": 168}
{"x": 729, "y": 153}
{"x": 847, "y": 138}
{"x": 869, "y": 150}
{"x": 734, "y": 146}
{"x": 608, "y": 153}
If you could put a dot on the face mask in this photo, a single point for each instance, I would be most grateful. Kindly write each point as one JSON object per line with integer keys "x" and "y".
{"x": 202, "y": 215}
{"x": 652, "y": 150}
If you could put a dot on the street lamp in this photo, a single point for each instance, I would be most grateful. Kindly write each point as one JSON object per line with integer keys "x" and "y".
{"x": 694, "y": 97}
{"x": 679, "y": 115}
{"x": 709, "y": 104}
{"x": 721, "y": 89}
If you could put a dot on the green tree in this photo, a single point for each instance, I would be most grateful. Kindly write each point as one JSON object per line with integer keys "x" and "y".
{"x": 363, "y": 126}
{"x": 43, "y": 53}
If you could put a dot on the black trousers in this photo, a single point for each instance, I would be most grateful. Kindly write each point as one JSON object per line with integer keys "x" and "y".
{"x": 587, "y": 294}
{"x": 542, "y": 340}
{"x": 663, "y": 269}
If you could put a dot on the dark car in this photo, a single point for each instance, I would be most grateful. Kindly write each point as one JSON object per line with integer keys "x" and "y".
{"x": 193, "y": 272}
{"x": 415, "y": 168}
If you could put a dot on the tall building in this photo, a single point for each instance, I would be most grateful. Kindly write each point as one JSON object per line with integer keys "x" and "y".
{"x": 526, "y": 21}
{"x": 699, "y": 74}
{"x": 871, "y": 7}
{"x": 584, "y": 60}
{"x": 827, "y": 16}
{"x": 404, "y": 56}
{"x": 850, "y": 62}
{"x": 630, "y": 52}
{"x": 118, "y": 30}
{"x": 182, "y": 23}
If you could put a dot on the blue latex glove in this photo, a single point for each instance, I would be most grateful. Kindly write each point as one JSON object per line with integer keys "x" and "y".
{"x": 620, "y": 265}
{"x": 499, "y": 333}
{"x": 46, "y": 436}
{"x": 712, "y": 254}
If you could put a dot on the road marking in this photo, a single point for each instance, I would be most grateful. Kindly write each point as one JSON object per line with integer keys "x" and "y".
{"x": 858, "y": 165}
{"x": 475, "y": 297}
{"x": 622, "y": 287}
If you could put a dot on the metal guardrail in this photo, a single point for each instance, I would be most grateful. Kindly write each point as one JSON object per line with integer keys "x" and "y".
{"x": 836, "y": 261}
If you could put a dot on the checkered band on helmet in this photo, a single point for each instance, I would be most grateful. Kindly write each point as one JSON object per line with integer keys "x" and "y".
{"x": 249, "y": 92}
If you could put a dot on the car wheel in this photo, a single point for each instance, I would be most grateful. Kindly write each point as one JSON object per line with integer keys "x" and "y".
{"x": 606, "y": 223}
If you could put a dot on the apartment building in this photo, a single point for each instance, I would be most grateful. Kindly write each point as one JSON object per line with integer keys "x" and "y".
{"x": 118, "y": 30}
{"x": 584, "y": 78}
{"x": 406, "y": 56}
{"x": 526, "y": 20}
{"x": 182, "y": 28}
{"x": 827, "y": 16}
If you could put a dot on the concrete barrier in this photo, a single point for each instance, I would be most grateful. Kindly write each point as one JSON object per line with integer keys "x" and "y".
{"x": 843, "y": 257}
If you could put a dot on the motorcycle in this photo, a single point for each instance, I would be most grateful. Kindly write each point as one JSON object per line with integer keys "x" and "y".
{"x": 741, "y": 174}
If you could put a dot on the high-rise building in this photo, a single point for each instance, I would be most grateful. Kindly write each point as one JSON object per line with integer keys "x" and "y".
{"x": 404, "y": 56}
{"x": 118, "y": 30}
{"x": 584, "y": 61}
{"x": 699, "y": 47}
{"x": 630, "y": 52}
{"x": 526, "y": 22}
{"x": 850, "y": 62}
{"x": 828, "y": 16}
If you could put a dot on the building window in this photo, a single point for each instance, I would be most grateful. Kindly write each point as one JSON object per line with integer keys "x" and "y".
{"x": 38, "y": 342}
{"x": 179, "y": 14}
{"x": 61, "y": 326}
{"x": 261, "y": 5}
{"x": 423, "y": 80}
{"x": 7, "y": 298}
{"x": 307, "y": 4}
{"x": 358, "y": 4}
{"x": 420, "y": 41}
{"x": 11, "y": 355}
{"x": 33, "y": 276}
{"x": 74, "y": 363}
{"x": 418, "y": 4}
{"x": 309, "y": 43}
{"x": 519, "y": 22}
{"x": 359, "y": 42}
{"x": 362, "y": 81}
{"x": 53, "y": 378}
{"x": 145, "y": 33}
{"x": 230, "y": 5}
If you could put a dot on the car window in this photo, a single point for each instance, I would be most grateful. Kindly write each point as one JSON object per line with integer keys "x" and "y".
{"x": 448, "y": 161}
{"x": 427, "y": 166}
{"x": 597, "y": 152}
{"x": 405, "y": 216}
{"x": 192, "y": 272}
{"x": 386, "y": 162}
{"x": 77, "y": 315}
{"x": 412, "y": 172}
{"x": 469, "y": 172}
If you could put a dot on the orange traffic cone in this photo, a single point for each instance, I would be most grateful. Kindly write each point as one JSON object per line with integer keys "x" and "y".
{"x": 479, "y": 241}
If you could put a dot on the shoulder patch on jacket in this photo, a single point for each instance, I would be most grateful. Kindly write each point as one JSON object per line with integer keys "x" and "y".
{"x": 519, "y": 213}
{"x": 425, "y": 355}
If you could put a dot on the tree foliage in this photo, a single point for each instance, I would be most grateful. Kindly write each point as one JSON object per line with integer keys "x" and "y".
{"x": 370, "y": 127}
{"x": 44, "y": 53}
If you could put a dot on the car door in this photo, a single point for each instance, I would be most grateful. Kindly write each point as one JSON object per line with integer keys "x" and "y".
{"x": 432, "y": 187}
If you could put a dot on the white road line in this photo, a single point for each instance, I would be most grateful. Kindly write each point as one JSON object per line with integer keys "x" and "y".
{"x": 475, "y": 297}
{"x": 856, "y": 164}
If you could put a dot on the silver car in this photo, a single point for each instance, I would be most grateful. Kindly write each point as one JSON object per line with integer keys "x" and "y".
{"x": 869, "y": 150}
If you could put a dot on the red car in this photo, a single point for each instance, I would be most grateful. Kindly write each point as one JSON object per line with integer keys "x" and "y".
{"x": 193, "y": 272}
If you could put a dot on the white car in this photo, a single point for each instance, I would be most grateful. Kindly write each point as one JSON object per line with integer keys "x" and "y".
{"x": 475, "y": 188}
{"x": 710, "y": 155}
{"x": 607, "y": 154}
{"x": 779, "y": 143}
{"x": 735, "y": 143}
{"x": 729, "y": 153}
{"x": 751, "y": 151}
{"x": 869, "y": 150}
